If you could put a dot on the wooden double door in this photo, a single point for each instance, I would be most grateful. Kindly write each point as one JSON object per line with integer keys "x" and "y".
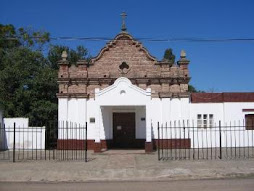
{"x": 124, "y": 130}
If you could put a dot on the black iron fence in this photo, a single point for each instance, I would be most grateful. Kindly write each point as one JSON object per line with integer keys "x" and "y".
{"x": 53, "y": 141}
{"x": 182, "y": 141}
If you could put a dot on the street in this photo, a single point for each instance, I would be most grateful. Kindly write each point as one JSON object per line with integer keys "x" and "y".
{"x": 204, "y": 185}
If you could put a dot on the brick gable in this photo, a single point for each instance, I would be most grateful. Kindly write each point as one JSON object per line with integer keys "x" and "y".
{"x": 124, "y": 57}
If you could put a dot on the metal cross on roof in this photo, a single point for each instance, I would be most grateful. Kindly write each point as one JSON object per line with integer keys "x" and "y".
{"x": 124, "y": 15}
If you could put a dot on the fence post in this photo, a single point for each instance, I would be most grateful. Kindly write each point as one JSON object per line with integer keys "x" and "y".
{"x": 14, "y": 141}
{"x": 220, "y": 140}
{"x": 86, "y": 145}
{"x": 158, "y": 144}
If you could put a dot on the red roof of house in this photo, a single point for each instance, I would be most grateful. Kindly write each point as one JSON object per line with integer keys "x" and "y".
{"x": 222, "y": 97}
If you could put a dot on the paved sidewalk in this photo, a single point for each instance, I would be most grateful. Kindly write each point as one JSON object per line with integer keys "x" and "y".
{"x": 117, "y": 165}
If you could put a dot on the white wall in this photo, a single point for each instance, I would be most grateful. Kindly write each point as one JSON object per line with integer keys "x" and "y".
{"x": 166, "y": 110}
{"x": 25, "y": 137}
{"x": 72, "y": 118}
{"x": 233, "y": 111}
{"x": 72, "y": 110}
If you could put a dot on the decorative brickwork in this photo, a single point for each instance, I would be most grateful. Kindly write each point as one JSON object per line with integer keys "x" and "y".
{"x": 125, "y": 57}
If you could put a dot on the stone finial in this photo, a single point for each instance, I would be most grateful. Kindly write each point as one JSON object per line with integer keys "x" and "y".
{"x": 183, "y": 54}
{"x": 64, "y": 55}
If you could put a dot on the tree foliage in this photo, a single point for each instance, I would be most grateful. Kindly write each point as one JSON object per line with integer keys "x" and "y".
{"x": 168, "y": 55}
{"x": 55, "y": 53}
{"x": 28, "y": 76}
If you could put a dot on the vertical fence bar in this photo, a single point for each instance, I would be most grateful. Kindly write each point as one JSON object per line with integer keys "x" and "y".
{"x": 171, "y": 142}
{"x": 211, "y": 137}
{"x": 239, "y": 147}
{"x": 248, "y": 135}
{"x": 220, "y": 140}
{"x": 175, "y": 140}
{"x": 162, "y": 143}
{"x": 72, "y": 139}
{"x": 198, "y": 141}
{"x": 36, "y": 144}
{"x": 226, "y": 138}
{"x": 193, "y": 135}
{"x": 235, "y": 136}
{"x": 45, "y": 151}
{"x": 215, "y": 142}
{"x": 207, "y": 143}
{"x": 188, "y": 125}
{"x": 76, "y": 144}
{"x": 231, "y": 141}
{"x": 184, "y": 138}
{"x": 158, "y": 142}
{"x": 32, "y": 144}
{"x": 167, "y": 139}
{"x": 202, "y": 140}
{"x": 80, "y": 145}
{"x": 243, "y": 132}
{"x": 86, "y": 143}
{"x": 14, "y": 141}
{"x": 23, "y": 145}
{"x": 180, "y": 144}
{"x": 54, "y": 138}
{"x": 252, "y": 130}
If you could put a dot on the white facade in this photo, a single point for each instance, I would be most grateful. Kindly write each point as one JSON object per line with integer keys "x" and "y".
{"x": 123, "y": 96}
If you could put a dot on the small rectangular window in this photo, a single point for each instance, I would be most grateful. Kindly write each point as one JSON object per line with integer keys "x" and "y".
{"x": 199, "y": 122}
{"x": 210, "y": 120}
{"x": 249, "y": 121}
{"x": 205, "y": 120}
{"x": 92, "y": 120}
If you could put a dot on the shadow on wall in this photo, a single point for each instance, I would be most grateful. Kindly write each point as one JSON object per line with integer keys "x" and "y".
{"x": 3, "y": 138}
{"x": 108, "y": 131}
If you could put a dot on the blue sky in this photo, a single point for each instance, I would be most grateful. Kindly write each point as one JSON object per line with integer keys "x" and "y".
{"x": 216, "y": 67}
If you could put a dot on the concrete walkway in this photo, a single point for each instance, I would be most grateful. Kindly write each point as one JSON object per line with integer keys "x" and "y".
{"x": 117, "y": 165}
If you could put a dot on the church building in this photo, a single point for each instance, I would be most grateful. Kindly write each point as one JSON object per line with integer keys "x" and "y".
{"x": 124, "y": 92}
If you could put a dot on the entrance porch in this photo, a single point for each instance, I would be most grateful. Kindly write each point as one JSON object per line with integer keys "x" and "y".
{"x": 122, "y": 117}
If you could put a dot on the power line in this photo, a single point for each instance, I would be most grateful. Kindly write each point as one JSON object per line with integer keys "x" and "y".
{"x": 191, "y": 39}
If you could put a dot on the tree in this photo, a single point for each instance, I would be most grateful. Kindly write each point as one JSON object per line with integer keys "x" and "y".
{"x": 168, "y": 55}
{"x": 28, "y": 78}
{"x": 55, "y": 52}
{"x": 192, "y": 89}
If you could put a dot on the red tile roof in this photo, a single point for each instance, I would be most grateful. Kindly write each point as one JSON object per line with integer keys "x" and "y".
{"x": 222, "y": 97}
